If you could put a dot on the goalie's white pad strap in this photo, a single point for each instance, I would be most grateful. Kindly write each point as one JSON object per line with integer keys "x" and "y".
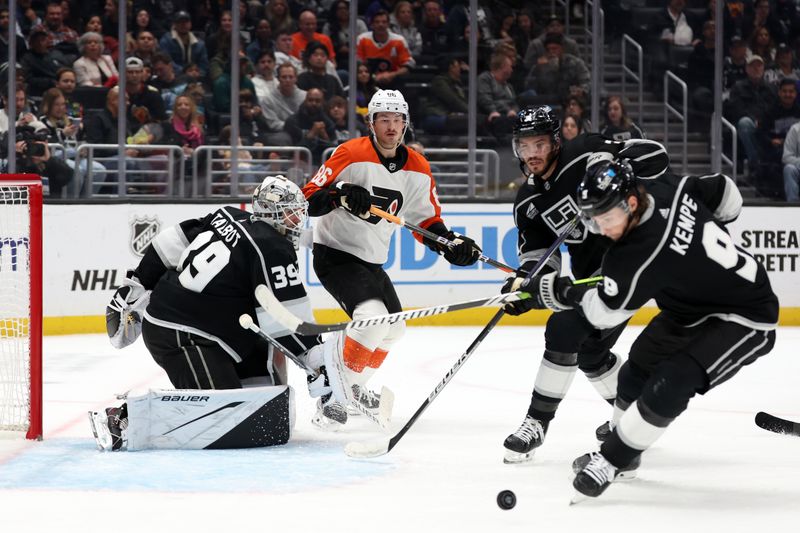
{"x": 203, "y": 419}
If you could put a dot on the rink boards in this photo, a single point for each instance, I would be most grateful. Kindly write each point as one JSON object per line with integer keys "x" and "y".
{"x": 88, "y": 248}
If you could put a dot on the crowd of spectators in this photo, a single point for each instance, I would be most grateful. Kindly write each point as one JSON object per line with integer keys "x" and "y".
{"x": 294, "y": 69}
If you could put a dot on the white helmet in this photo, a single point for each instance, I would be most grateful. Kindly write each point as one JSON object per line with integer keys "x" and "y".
{"x": 281, "y": 204}
{"x": 388, "y": 101}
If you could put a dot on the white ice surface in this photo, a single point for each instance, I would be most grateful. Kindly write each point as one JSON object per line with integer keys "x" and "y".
{"x": 713, "y": 471}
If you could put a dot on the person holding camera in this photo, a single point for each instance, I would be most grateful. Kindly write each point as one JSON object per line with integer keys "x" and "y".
{"x": 33, "y": 157}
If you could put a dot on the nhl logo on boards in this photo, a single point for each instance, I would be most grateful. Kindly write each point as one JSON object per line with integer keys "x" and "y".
{"x": 143, "y": 230}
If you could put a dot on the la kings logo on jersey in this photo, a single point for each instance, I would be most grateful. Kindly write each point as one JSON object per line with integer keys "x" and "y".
{"x": 143, "y": 230}
{"x": 560, "y": 214}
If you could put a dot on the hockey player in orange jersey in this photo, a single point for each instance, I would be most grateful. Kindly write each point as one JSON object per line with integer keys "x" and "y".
{"x": 351, "y": 245}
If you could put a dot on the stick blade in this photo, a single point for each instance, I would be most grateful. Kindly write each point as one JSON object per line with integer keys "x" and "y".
{"x": 777, "y": 425}
{"x": 387, "y": 404}
{"x": 367, "y": 450}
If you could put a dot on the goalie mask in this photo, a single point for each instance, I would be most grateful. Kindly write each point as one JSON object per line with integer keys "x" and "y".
{"x": 281, "y": 204}
{"x": 388, "y": 102}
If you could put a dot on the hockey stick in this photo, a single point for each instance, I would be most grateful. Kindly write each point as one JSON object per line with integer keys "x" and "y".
{"x": 297, "y": 325}
{"x": 384, "y": 446}
{"x": 777, "y": 425}
{"x": 434, "y": 237}
{"x": 385, "y": 409}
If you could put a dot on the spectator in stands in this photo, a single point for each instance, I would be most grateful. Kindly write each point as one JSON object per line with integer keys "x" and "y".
{"x": 570, "y": 127}
{"x": 26, "y": 113}
{"x": 734, "y": 67}
{"x": 314, "y": 59}
{"x": 66, "y": 82}
{"x": 146, "y": 47}
{"x": 168, "y": 84}
{"x": 365, "y": 88}
{"x": 41, "y": 64}
{"x": 143, "y": 21}
{"x": 700, "y": 77}
{"x": 262, "y": 41}
{"x": 307, "y": 32}
{"x": 222, "y": 85}
{"x": 791, "y": 164}
{"x": 779, "y": 118}
{"x": 221, "y": 39}
{"x": 101, "y": 128}
{"x": 311, "y": 127}
{"x": 618, "y": 125}
{"x": 185, "y": 128}
{"x": 402, "y": 22}
{"x": 110, "y": 17}
{"x": 761, "y": 44}
{"x": 284, "y": 101}
{"x": 524, "y": 31}
{"x": 249, "y": 172}
{"x": 536, "y": 48}
{"x": 445, "y": 108}
{"x": 496, "y": 97}
{"x": 337, "y": 112}
{"x": 22, "y": 46}
{"x": 384, "y": 52}
{"x": 337, "y": 28}
{"x": 785, "y": 67}
{"x": 142, "y": 97}
{"x": 762, "y": 16}
{"x": 61, "y": 129}
{"x": 283, "y": 51}
{"x": 93, "y": 69}
{"x": 676, "y": 26}
{"x": 557, "y": 73}
{"x": 182, "y": 45}
{"x": 219, "y": 62}
{"x": 264, "y": 79}
{"x": 197, "y": 93}
{"x": 748, "y": 105}
{"x": 59, "y": 35}
{"x": 110, "y": 44}
{"x": 460, "y": 47}
{"x": 254, "y": 129}
{"x": 433, "y": 32}
{"x": 576, "y": 105}
{"x": 277, "y": 12}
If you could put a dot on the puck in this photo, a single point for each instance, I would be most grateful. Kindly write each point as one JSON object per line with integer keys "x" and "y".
{"x": 506, "y": 499}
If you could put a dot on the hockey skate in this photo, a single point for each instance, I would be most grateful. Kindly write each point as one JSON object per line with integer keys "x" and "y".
{"x": 603, "y": 431}
{"x": 595, "y": 477}
{"x": 623, "y": 474}
{"x": 110, "y": 428}
{"x": 331, "y": 415}
{"x": 380, "y": 404}
{"x": 521, "y": 445}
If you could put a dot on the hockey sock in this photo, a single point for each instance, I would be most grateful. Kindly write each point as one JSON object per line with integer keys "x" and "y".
{"x": 604, "y": 378}
{"x": 555, "y": 375}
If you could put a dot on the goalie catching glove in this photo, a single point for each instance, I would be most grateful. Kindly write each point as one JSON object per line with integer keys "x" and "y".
{"x": 547, "y": 291}
{"x": 353, "y": 198}
{"x": 125, "y": 310}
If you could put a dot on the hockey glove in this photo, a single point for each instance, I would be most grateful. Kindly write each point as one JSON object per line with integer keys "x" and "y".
{"x": 598, "y": 157}
{"x": 124, "y": 312}
{"x": 464, "y": 253}
{"x": 513, "y": 284}
{"x": 353, "y": 198}
{"x": 552, "y": 292}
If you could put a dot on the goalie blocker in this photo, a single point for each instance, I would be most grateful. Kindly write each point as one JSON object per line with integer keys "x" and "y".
{"x": 197, "y": 420}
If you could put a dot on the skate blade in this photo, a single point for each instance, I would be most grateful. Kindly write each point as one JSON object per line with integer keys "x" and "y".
{"x": 578, "y": 497}
{"x": 516, "y": 458}
{"x": 102, "y": 437}
{"x": 326, "y": 424}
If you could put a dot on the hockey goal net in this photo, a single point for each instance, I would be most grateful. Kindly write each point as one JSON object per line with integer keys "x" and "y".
{"x": 21, "y": 304}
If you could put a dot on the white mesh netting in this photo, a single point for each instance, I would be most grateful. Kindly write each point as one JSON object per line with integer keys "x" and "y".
{"x": 14, "y": 308}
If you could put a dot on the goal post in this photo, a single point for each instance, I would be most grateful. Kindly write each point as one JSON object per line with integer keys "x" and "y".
{"x": 21, "y": 304}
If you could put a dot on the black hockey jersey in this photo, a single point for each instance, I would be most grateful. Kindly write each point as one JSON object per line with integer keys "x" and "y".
{"x": 681, "y": 255}
{"x": 203, "y": 274}
{"x": 542, "y": 209}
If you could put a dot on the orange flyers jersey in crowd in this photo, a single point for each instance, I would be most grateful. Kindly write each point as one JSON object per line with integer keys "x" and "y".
{"x": 408, "y": 192}
{"x": 394, "y": 50}
{"x": 299, "y": 43}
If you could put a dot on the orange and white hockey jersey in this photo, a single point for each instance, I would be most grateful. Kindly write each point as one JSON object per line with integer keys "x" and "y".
{"x": 408, "y": 192}
{"x": 394, "y": 51}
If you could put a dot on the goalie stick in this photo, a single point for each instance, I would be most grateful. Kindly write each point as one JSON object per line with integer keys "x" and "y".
{"x": 387, "y": 396}
{"x": 434, "y": 237}
{"x": 295, "y": 324}
{"x": 777, "y": 425}
{"x": 381, "y": 447}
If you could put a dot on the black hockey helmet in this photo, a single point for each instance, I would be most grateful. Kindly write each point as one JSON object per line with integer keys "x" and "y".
{"x": 537, "y": 120}
{"x": 606, "y": 185}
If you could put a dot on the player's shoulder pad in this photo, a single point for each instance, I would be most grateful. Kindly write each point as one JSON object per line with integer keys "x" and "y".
{"x": 417, "y": 162}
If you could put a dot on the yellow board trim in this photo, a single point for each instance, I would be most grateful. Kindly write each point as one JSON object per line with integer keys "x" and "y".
{"x": 70, "y": 325}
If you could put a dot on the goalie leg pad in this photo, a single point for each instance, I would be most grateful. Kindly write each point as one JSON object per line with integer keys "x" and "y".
{"x": 210, "y": 419}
